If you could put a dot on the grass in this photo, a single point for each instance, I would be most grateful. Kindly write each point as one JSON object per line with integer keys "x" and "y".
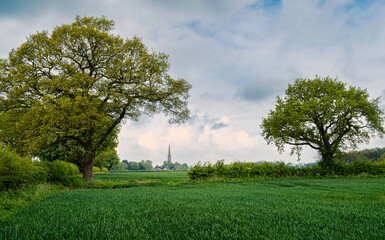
{"x": 142, "y": 177}
{"x": 12, "y": 200}
{"x": 277, "y": 209}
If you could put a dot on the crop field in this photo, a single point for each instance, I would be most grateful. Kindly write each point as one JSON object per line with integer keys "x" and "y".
{"x": 143, "y": 177}
{"x": 277, "y": 209}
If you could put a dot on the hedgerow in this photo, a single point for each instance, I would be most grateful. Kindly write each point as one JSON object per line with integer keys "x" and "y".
{"x": 16, "y": 170}
{"x": 281, "y": 170}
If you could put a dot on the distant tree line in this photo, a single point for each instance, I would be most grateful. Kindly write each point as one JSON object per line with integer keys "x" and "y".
{"x": 147, "y": 165}
{"x": 144, "y": 165}
{"x": 374, "y": 155}
{"x": 168, "y": 165}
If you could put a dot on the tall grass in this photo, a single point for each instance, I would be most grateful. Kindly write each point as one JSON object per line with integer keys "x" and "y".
{"x": 143, "y": 176}
{"x": 14, "y": 199}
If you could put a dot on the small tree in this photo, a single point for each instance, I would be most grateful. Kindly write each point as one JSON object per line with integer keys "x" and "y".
{"x": 77, "y": 84}
{"x": 133, "y": 166}
{"x": 107, "y": 159}
{"x": 325, "y": 115}
{"x": 146, "y": 165}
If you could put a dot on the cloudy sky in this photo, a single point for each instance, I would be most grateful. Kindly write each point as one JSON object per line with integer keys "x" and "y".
{"x": 238, "y": 55}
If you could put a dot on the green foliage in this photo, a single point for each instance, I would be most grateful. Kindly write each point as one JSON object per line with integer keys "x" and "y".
{"x": 168, "y": 165}
{"x": 201, "y": 171}
{"x": 121, "y": 166}
{"x": 107, "y": 159}
{"x": 381, "y": 158}
{"x": 96, "y": 169}
{"x": 280, "y": 169}
{"x": 132, "y": 165}
{"x": 105, "y": 156}
{"x": 277, "y": 209}
{"x": 14, "y": 169}
{"x": 375, "y": 154}
{"x": 41, "y": 172}
{"x": 75, "y": 85}
{"x": 59, "y": 172}
{"x": 145, "y": 165}
{"x": 12, "y": 200}
{"x": 325, "y": 115}
{"x": 143, "y": 177}
{"x": 61, "y": 169}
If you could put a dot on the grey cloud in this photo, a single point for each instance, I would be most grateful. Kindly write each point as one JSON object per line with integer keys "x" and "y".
{"x": 219, "y": 125}
{"x": 256, "y": 90}
{"x": 382, "y": 106}
{"x": 200, "y": 120}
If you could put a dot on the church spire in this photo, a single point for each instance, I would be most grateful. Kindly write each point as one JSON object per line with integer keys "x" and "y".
{"x": 169, "y": 154}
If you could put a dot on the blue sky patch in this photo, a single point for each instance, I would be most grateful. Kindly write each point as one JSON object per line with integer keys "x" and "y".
{"x": 200, "y": 30}
{"x": 266, "y": 4}
{"x": 359, "y": 4}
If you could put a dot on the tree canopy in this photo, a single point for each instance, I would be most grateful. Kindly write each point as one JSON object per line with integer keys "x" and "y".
{"x": 373, "y": 155}
{"x": 325, "y": 115}
{"x": 74, "y": 86}
{"x": 107, "y": 159}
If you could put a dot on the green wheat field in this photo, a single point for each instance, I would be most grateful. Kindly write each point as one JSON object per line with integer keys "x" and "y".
{"x": 346, "y": 208}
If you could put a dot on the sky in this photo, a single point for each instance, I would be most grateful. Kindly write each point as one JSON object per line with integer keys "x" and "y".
{"x": 239, "y": 55}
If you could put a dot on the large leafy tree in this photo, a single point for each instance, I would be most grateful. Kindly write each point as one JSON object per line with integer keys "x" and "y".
{"x": 325, "y": 115}
{"x": 74, "y": 86}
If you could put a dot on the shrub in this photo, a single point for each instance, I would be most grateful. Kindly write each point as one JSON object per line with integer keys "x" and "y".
{"x": 56, "y": 171}
{"x": 379, "y": 167}
{"x": 362, "y": 166}
{"x": 60, "y": 170}
{"x": 104, "y": 169}
{"x": 96, "y": 169}
{"x": 74, "y": 181}
{"x": 266, "y": 169}
{"x": 14, "y": 169}
{"x": 221, "y": 169}
{"x": 201, "y": 171}
{"x": 41, "y": 172}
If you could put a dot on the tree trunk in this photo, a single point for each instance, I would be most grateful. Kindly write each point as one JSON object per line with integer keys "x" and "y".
{"x": 88, "y": 166}
{"x": 327, "y": 162}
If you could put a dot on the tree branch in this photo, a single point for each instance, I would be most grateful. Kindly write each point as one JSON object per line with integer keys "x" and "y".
{"x": 302, "y": 144}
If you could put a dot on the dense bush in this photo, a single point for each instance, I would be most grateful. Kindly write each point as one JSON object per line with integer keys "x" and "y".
{"x": 60, "y": 171}
{"x": 14, "y": 169}
{"x": 98, "y": 169}
{"x": 57, "y": 172}
{"x": 41, "y": 171}
{"x": 280, "y": 169}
